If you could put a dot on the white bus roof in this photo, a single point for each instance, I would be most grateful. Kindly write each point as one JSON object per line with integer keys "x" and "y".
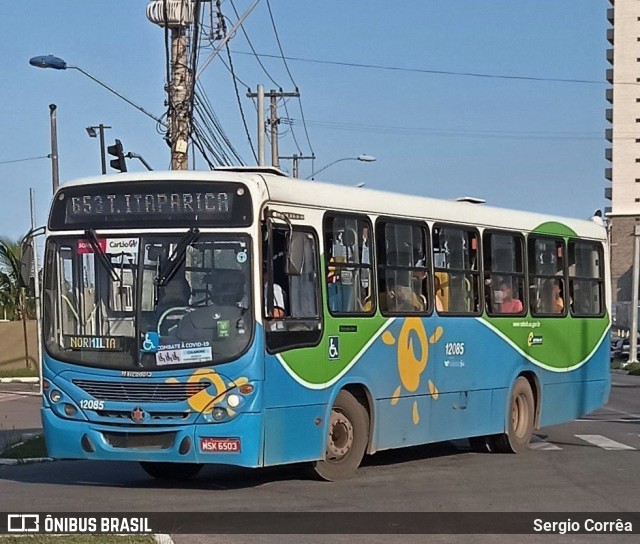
{"x": 314, "y": 194}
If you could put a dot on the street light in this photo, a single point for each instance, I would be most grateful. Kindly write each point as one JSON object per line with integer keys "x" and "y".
{"x": 91, "y": 131}
{"x": 362, "y": 158}
{"x": 56, "y": 63}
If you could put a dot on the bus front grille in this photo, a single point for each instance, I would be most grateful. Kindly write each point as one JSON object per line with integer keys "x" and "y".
{"x": 141, "y": 392}
{"x": 140, "y": 441}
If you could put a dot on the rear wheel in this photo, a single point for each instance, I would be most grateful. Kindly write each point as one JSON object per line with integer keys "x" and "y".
{"x": 521, "y": 416}
{"x": 171, "y": 471}
{"x": 347, "y": 439}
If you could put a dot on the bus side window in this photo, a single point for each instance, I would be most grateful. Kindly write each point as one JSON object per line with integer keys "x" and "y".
{"x": 546, "y": 276}
{"x": 404, "y": 283}
{"x": 348, "y": 264}
{"x": 296, "y": 290}
{"x": 586, "y": 278}
{"x": 455, "y": 259}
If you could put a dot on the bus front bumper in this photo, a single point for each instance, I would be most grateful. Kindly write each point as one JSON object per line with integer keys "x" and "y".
{"x": 236, "y": 442}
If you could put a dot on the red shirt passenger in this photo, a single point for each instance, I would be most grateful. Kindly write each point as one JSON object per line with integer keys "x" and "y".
{"x": 509, "y": 304}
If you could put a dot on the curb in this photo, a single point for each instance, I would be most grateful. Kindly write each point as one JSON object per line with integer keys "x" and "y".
{"x": 26, "y": 461}
{"x": 20, "y": 380}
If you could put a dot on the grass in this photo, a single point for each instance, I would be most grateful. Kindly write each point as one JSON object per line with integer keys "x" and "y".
{"x": 633, "y": 369}
{"x": 616, "y": 364}
{"x": 32, "y": 447}
{"x": 19, "y": 372}
{"x": 77, "y": 539}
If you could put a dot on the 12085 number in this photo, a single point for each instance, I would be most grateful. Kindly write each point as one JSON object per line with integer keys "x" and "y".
{"x": 92, "y": 404}
{"x": 454, "y": 348}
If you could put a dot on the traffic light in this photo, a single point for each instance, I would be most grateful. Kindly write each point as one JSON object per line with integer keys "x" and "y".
{"x": 118, "y": 163}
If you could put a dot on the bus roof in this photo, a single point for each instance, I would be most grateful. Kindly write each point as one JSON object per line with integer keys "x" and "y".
{"x": 314, "y": 194}
{"x": 361, "y": 199}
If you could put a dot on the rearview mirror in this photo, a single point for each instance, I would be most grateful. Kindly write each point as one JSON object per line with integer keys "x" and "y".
{"x": 26, "y": 262}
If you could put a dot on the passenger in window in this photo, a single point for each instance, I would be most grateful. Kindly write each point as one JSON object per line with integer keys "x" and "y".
{"x": 279, "y": 307}
{"x": 398, "y": 297}
{"x": 438, "y": 300}
{"x": 557, "y": 300}
{"x": 279, "y": 297}
{"x": 419, "y": 288}
{"x": 551, "y": 301}
{"x": 509, "y": 304}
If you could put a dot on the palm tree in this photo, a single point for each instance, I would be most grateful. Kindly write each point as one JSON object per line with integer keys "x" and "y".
{"x": 11, "y": 302}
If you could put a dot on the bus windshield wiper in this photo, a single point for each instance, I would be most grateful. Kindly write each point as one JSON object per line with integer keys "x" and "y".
{"x": 166, "y": 272}
{"x": 102, "y": 256}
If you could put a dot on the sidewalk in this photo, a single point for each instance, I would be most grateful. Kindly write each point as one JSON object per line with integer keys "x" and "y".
{"x": 19, "y": 412}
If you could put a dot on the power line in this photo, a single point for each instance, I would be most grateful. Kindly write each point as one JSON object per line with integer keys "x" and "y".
{"x": 436, "y": 72}
{"x": 244, "y": 121}
{"x": 439, "y": 131}
{"x": 284, "y": 61}
{"x": 26, "y": 159}
{"x": 253, "y": 49}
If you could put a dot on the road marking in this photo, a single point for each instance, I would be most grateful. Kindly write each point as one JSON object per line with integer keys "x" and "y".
{"x": 621, "y": 412}
{"x": 617, "y": 420}
{"x": 538, "y": 443}
{"x": 603, "y": 442}
{"x": 4, "y": 397}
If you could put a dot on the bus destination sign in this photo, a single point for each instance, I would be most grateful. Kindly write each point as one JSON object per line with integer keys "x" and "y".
{"x": 152, "y": 204}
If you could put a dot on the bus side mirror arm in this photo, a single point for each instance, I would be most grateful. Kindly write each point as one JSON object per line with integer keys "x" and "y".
{"x": 27, "y": 257}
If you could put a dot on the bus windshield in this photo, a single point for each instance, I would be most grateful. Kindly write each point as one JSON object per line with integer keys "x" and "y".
{"x": 153, "y": 302}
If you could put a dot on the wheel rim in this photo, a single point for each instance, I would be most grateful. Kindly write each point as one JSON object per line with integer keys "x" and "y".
{"x": 340, "y": 436}
{"x": 520, "y": 416}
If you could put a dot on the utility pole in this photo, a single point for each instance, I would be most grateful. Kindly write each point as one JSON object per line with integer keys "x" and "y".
{"x": 55, "y": 176}
{"x": 177, "y": 15}
{"x": 296, "y": 160}
{"x": 274, "y": 121}
{"x": 91, "y": 131}
{"x": 179, "y": 100}
{"x": 260, "y": 96}
{"x": 633, "y": 338}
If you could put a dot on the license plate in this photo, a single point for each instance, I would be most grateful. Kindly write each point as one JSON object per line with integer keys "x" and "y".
{"x": 219, "y": 445}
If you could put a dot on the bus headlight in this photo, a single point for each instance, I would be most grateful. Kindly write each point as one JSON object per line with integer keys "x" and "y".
{"x": 55, "y": 395}
{"x": 219, "y": 414}
{"x": 233, "y": 401}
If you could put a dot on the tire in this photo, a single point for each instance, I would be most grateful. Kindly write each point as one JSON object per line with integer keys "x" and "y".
{"x": 521, "y": 414}
{"x": 347, "y": 439}
{"x": 171, "y": 471}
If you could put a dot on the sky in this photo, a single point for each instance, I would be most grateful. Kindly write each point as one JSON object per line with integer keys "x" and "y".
{"x": 405, "y": 82}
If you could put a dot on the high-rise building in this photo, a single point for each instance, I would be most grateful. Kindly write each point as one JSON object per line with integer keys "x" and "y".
{"x": 623, "y": 151}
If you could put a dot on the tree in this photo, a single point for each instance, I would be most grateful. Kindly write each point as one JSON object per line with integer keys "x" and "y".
{"x": 11, "y": 301}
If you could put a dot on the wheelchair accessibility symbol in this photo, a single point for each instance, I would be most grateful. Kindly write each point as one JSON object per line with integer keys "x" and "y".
{"x": 334, "y": 348}
{"x": 151, "y": 342}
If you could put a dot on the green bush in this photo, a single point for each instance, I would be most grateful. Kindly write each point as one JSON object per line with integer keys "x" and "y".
{"x": 633, "y": 369}
{"x": 31, "y": 447}
{"x": 616, "y": 364}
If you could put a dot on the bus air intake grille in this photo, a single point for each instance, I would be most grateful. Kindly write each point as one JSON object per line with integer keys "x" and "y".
{"x": 141, "y": 392}
{"x": 140, "y": 441}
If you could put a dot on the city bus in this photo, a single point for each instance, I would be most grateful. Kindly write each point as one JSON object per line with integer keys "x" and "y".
{"x": 242, "y": 317}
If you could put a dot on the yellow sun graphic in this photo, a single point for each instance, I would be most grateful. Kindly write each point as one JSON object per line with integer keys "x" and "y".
{"x": 410, "y": 366}
{"x": 204, "y": 401}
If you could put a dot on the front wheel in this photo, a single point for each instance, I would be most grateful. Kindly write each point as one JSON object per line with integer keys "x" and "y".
{"x": 521, "y": 416}
{"x": 347, "y": 439}
{"x": 171, "y": 471}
